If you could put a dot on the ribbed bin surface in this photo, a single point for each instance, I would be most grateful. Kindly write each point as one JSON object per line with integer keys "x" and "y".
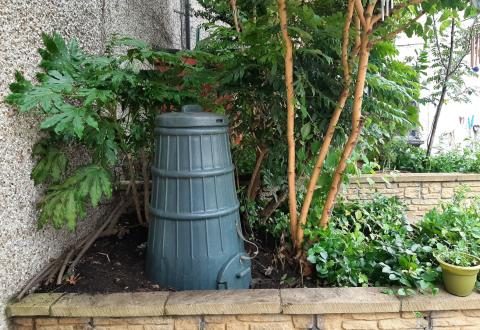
{"x": 194, "y": 236}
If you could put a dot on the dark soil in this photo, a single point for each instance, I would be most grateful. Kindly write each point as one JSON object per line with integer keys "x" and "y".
{"x": 117, "y": 263}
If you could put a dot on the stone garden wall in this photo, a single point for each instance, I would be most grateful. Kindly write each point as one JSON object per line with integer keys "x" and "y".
{"x": 286, "y": 309}
{"x": 420, "y": 192}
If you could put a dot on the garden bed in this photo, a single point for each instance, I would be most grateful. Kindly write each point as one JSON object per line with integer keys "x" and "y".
{"x": 117, "y": 264}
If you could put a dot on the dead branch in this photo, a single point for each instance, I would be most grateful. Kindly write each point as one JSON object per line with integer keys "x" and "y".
{"x": 38, "y": 278}
{"x": 68, "y": 258}
{"x": 274, "y": 204}
{"x": 117, "y": 212}
{"x": 136, "y": 199}
{"x": 146, "y": 185}
{"x": 255, "y": 179}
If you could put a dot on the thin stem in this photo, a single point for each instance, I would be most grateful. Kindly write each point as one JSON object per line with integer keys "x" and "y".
{"x": 331, "y": 128}
{"x": 292, "y": 192}
{"x": 355, "y": 133}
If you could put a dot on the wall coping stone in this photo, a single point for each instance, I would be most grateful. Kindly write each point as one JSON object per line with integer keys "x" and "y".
{"x": 124, "y": 304}
{"x": 224, "y": 302}
{"x": 393, "y": 177}
{"x": 34, "y": 304}
{"x": 337, "y": 300}
{"x": 268, "y": 301}
{"x": 440, "y": 302}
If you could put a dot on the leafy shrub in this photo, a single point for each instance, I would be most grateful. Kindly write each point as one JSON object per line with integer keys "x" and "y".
{"x": 105, "y": 105}
{"x": 451, "y": 161}
{"x": 458, "y": 258}
{"x": 399, "y": 155}
{"x": 372, "y": 244}
{"x": 455, "y": 224}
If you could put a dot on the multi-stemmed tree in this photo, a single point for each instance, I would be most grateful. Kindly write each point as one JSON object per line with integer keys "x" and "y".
{"x": 370, "y": 27}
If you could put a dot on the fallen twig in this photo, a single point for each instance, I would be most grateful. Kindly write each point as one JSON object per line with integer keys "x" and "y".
{"x": 117, "y": 212}
{"x": 38, "y": 278}
{"x": 131, "y": 170}
{"x": 57, "y": 265}
{"x": 146, "y": 184}
{"x": 68, "y": 257}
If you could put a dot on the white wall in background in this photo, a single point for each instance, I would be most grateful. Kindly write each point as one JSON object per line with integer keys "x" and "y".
{"x": 453, "y": 127}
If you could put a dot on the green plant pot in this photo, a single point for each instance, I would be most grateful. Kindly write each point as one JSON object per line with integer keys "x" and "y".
{"x": 459, "y": 281}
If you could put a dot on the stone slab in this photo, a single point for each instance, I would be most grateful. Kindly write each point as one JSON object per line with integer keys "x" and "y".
{"x": 415, "y": 177}
{"x": 337, "y": 300}
{"x": 223, "y": 302}
{"x": 132, "y": 304}
{"x": 37, "y": 304}
{"x": 440, "y": 302}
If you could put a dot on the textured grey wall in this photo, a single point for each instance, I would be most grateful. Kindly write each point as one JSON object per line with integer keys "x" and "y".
{"x": 23, "y": 249}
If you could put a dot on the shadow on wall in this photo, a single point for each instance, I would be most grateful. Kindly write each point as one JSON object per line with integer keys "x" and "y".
{"x": 157, "y": 22}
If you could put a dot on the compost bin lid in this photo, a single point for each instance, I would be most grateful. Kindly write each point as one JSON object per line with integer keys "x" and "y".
{"x": 190, "y": 116}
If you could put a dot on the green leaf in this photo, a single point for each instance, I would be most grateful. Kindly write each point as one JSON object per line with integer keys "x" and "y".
{"x": 71, "y": 211}
{"x": 64, "y": 203}
{"x": 305, "y": 130}
{"x": 95, "y": 192}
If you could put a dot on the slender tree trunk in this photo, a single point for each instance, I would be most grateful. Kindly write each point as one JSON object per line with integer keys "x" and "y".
{"x": 448, "y": 72}
{"x": 331, "y": 128}
{"x": 292, "y": 193}
{"x": 356, "y": 129}
{"x": 436, "y": 118}
{"x": 233, "y": 4}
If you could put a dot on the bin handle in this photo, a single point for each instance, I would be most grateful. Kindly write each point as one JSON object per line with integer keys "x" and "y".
{"x": 192, "y": 108}
{"x": 257, "y": 250}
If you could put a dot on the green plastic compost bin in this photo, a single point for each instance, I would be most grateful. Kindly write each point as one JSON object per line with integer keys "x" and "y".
{"x": 195, "y": 239}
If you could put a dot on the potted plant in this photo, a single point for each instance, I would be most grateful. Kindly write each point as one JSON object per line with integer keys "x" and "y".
{"x": 459, "y": 270}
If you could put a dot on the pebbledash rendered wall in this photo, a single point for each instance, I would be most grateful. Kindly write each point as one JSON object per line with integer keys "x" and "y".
{"x": 420, "y": 192}
{"x": 23, "y": 249}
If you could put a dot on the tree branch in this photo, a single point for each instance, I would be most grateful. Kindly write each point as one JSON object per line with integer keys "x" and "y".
{"x": 360, "y": 13}
{"x": 322, "y": 155}
{"x": 393, "y": 34}
{"x": 356, "y": 128}
{"x": 437, "y": 44}
{"x": 255, "y": 179}
{"x": 397, "y": 8}
{"x": 233, "y": 4}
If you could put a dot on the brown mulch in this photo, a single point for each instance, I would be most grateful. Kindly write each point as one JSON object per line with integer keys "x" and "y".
{"x": 117, "y": 263}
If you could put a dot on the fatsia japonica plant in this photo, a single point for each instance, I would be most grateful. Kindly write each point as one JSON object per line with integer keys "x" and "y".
{"x": 104, "y": 107}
